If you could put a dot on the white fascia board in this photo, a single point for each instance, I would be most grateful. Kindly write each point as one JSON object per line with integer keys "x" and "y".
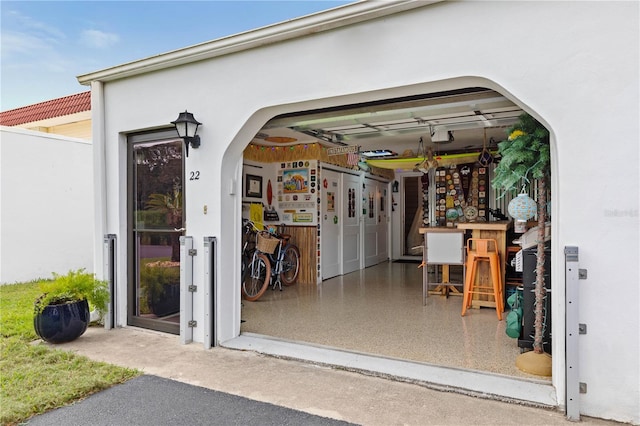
{"x": 318, "y": 22}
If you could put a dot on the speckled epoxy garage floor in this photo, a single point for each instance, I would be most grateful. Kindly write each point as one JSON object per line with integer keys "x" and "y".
{"x": 379, "y": 311}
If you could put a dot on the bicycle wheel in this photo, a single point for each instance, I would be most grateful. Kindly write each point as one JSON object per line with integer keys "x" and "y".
{"x": 247, "y": 257}
{"x": 246, "y": 262}
{"x": 290, "y": 265}
{"x": 257, "y": 278}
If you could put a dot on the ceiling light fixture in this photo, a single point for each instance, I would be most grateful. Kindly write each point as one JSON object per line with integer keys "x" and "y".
{"x": 441, "y": 136}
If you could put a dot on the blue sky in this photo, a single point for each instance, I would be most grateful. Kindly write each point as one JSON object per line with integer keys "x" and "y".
{"x": 46, "y": 44}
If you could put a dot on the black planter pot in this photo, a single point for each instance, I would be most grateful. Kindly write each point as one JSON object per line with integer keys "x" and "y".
{"x": 62, "y": 323}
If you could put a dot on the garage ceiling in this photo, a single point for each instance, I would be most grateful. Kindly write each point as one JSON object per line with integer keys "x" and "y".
{"x": 453, "y": 121}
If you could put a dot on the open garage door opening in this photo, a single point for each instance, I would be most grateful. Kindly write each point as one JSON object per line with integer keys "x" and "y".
{"x": 352, "y": 186}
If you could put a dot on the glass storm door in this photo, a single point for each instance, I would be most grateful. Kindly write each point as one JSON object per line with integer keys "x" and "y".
{"x": 157, "y": 222}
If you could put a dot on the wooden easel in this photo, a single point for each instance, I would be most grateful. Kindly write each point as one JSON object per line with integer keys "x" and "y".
{"x": 442, "y": 246}
{"x": 446, "y": 288}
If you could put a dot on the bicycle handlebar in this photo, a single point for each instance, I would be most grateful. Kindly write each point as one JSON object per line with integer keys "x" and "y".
{"x": 250, "y": 225}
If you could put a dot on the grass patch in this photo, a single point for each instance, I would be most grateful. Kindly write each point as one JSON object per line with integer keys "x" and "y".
{"x": 34, "y": 377}
{"x": 16, "y": 310}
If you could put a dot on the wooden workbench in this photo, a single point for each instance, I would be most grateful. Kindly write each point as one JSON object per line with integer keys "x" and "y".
{"x": 489, "y": 230}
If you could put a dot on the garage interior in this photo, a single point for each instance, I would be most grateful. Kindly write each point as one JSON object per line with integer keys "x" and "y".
{"x": 378, "y": 310}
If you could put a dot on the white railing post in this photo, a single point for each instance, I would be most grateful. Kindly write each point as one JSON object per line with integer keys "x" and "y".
{"x": 186, "y": 290}
{"x": 209, "y": 292}
{"x": 573, "y": 386}
{"x": 109, "y": 272}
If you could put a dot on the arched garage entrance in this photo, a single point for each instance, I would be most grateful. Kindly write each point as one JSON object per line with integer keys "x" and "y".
{"x": 396, "y": 278}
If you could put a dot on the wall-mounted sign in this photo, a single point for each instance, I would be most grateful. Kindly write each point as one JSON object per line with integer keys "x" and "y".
{"x": 296, "y": 186}
{"x": 331, "y": 203}
{"x": 303, "y": 217}
{"x": 338, "y": 150}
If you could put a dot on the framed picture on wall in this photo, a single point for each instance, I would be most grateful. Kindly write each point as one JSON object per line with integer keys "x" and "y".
{"x": 295, "y": 181}
{"x": 253, "y": 186}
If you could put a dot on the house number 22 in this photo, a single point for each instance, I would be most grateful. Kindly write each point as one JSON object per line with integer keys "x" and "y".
{"x": 194, "y": 175}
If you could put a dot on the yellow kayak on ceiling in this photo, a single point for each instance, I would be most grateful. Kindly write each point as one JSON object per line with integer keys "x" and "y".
{"x": 411, "y": 162}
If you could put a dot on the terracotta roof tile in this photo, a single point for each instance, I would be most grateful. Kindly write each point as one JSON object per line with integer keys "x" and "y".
{"x": 59, "y": 107}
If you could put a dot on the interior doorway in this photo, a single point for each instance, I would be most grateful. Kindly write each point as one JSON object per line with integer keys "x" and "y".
{"x": 412, "y": 217}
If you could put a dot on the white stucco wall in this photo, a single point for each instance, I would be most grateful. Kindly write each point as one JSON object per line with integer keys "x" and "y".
{"x": 46, "y": 207}
{"x": 573, "y": 65}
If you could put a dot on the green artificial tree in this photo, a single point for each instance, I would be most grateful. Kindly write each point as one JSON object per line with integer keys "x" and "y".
{"x": 525, "y": 156}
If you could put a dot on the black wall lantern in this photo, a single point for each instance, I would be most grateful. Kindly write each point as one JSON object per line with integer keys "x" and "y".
{"x": 187, "y": 128}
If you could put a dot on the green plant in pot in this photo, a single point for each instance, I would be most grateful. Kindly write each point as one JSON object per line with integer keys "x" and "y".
{"x": 62, "y": 311}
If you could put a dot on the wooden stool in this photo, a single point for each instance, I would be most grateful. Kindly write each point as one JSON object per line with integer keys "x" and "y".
{"x": 483, "y": 253}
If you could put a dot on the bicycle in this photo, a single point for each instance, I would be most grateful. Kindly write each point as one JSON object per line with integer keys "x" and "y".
{"x": 248, "y": 246}
{"x": 274, "y": 261}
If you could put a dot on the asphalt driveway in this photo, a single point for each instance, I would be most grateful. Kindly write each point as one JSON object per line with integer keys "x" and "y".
{"x": 152, "y": 400}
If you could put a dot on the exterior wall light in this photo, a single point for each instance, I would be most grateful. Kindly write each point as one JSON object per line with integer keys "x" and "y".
{"x": 187, "y": 128}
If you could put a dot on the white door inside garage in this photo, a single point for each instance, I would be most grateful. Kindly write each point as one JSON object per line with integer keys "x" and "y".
{"x": 331, "y": 223}
{"x": 375, "y": 222}
{"x": 351, "y": 211}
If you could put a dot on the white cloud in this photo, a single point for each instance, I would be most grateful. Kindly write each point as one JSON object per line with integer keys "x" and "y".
{"x": 28, "y": 24}
{"x": 21, "y": 51}
{"x": 98, "y": 39}
{"x": 14, "y": 42}
{"x": 23, "y": 35}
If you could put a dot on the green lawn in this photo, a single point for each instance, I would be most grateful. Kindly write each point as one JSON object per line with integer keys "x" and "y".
{"x": 34, "y": 377}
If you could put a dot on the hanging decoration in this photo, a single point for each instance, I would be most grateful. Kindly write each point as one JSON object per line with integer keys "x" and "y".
{"x": 522, "y": 207}
{"x": 485, "y": 158}
{"x": 428, "y": 161}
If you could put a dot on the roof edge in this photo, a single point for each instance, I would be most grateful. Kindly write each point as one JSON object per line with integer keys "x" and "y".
{"x": 315, "y": 23}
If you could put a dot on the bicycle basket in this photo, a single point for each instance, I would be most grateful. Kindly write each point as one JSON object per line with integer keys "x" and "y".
{"x": 267, "y": 243}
